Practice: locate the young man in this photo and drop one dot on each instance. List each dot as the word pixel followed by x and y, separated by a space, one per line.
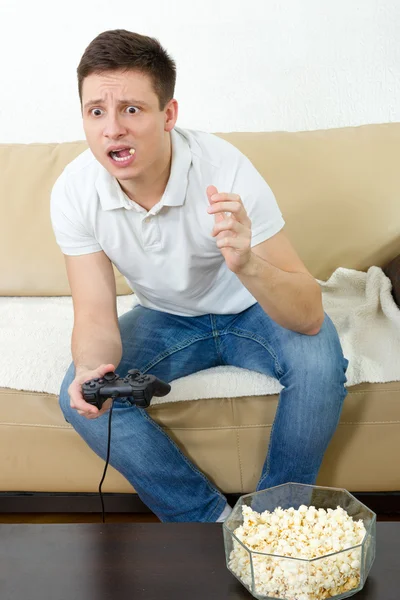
pixel 198 234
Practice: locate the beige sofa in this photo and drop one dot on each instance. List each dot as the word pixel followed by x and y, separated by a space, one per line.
pixel 339 191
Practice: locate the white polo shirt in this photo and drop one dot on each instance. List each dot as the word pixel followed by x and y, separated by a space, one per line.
pixel 167 254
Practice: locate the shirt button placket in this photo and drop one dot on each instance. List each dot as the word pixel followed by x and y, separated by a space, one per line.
pixel 149 231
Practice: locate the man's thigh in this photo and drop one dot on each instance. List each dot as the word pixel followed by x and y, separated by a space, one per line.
pixel 254 341
pixel 165 345
pixel 249 341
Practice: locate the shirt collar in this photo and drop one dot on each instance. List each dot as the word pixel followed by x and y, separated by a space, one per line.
pixel 112 196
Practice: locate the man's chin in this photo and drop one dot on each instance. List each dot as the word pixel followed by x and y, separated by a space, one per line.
pixel 122 173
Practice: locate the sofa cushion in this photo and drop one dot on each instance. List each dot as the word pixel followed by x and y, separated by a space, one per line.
pixel 36 335
pixel 226 437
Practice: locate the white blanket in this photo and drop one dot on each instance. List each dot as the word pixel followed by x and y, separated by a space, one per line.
pixel 35 341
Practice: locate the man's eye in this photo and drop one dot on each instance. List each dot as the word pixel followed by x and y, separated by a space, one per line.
pixel 96 112
pixel 132 110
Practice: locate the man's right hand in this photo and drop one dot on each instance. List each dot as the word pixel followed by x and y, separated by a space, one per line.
pixel 75 392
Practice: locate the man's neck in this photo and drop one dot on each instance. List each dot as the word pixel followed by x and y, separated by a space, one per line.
pixel 148 191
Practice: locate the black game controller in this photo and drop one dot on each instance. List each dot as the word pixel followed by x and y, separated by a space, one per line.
pixel 136 385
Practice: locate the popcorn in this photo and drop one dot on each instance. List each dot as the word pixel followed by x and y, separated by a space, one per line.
pixel 305 533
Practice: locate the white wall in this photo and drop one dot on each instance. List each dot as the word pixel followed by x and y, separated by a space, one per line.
pixel 243 65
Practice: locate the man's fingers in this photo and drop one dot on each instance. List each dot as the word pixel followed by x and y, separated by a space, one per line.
pixel 236 209
pixel 103 369
pixel 78 402
pixel 87 415
pixel 94 415
pixel 231 206
pixel 230 225
pixel 106 406
pixel 238 243
pixel 211 190
pixel 223 197
pixel 84 407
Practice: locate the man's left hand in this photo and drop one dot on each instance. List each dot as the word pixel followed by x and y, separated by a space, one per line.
pixel 233 232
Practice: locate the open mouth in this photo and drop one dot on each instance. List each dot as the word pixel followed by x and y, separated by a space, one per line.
pixel 122 156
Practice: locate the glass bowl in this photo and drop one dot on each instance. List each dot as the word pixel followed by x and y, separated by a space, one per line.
pixel 331 574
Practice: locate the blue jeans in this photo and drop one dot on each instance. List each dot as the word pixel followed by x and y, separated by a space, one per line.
pixel 311 370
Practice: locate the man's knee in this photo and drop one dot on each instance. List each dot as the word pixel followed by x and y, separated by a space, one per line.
pixel 64 399
pixel 318 357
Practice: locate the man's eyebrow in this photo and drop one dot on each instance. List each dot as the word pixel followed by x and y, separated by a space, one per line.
pixel 129 102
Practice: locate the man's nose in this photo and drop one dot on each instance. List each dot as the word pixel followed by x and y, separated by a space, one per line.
pixel 114 128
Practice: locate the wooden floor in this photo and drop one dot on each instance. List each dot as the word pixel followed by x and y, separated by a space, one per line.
pixel 109 518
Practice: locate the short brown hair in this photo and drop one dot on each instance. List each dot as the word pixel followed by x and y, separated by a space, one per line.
pixel 119 49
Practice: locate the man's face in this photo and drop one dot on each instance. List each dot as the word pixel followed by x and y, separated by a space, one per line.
pixel 120 110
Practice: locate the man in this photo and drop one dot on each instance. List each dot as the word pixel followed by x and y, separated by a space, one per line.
pixel 199 236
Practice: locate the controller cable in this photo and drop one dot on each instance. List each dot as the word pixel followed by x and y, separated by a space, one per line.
pixel 108 455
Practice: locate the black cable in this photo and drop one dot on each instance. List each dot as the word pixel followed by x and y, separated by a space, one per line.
pixel 107 458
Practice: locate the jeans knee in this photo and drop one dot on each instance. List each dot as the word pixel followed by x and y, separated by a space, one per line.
pixel 318 358
pixel 64 399
pixel 334 362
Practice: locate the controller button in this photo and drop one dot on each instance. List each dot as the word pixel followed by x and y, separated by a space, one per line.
pixel 109 376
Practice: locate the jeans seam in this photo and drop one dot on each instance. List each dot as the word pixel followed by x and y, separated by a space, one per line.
pixel 218 510
pixel 192 467
pixel 261 341
pixel 263 477
pixel 174 349
pixel 216 336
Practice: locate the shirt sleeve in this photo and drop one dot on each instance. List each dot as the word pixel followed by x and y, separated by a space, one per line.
pixel 259 202
pixel 72 235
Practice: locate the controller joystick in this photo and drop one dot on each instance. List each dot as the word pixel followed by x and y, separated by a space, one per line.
pixel 137 387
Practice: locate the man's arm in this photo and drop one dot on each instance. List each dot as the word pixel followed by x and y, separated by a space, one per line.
pixel 96 337
pixel 282 285
pixel 271 271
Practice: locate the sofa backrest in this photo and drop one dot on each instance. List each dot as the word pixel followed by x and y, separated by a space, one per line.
pixel 338 189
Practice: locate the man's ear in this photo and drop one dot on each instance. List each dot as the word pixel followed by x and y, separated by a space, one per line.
pixel 171 114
